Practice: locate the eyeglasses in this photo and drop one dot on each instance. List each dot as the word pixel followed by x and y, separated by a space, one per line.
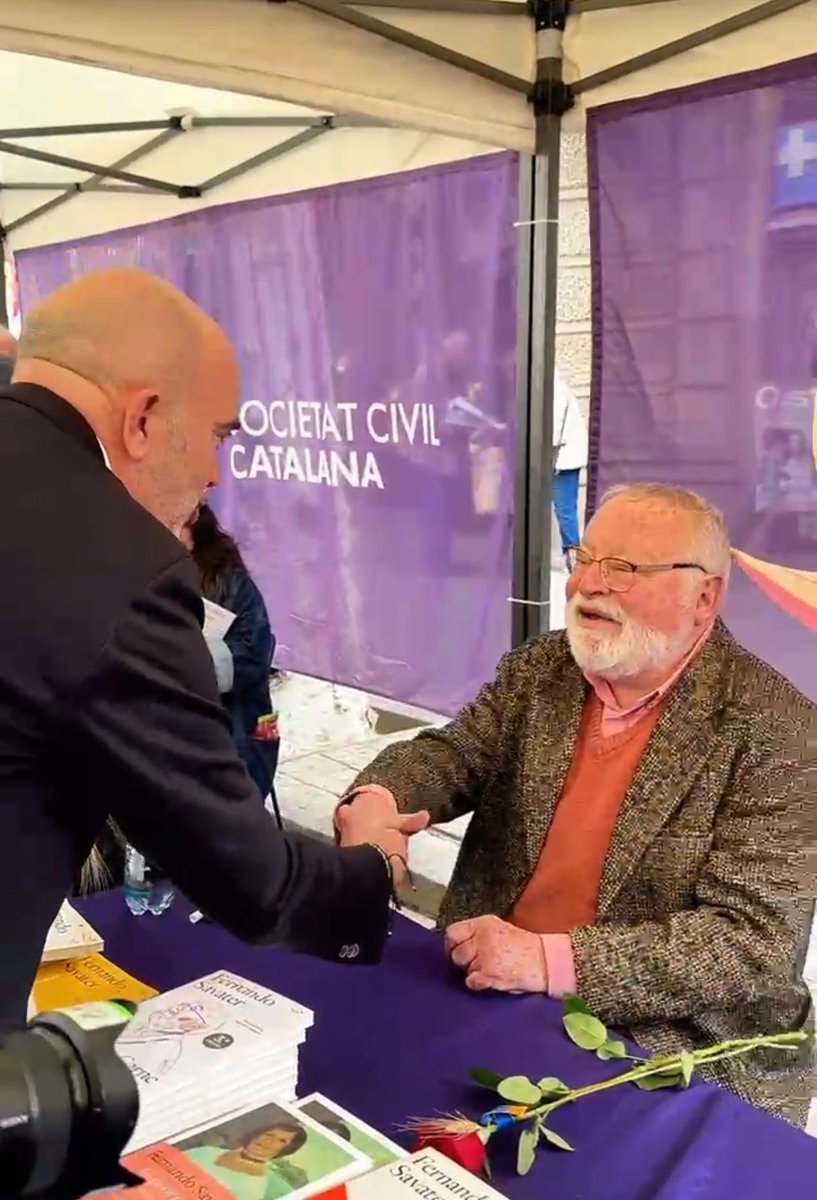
pixel 618 574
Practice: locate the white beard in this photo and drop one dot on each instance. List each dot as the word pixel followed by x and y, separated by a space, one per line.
pixel 622 651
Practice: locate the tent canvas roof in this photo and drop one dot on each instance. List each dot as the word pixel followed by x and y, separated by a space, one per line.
pixel 301 61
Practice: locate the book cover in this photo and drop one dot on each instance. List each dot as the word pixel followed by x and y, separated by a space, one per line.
pixel 269 1153
pixel 70 936
pixel 426 1175
pixel 79 980
pixel 344 1124
pixel 220 1022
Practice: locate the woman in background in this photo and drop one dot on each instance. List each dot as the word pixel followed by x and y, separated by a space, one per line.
pixel 243 658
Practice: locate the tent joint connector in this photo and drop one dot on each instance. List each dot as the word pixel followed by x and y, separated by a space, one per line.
pixel 549 14
pixel 551 97
pixel 189 192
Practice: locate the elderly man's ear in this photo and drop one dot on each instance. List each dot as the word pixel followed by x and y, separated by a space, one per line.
pixel 710 600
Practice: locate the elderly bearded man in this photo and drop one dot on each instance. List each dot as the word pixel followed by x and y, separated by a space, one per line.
pixel 643 798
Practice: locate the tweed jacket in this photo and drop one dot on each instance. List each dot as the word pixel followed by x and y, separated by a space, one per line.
pixel 708 888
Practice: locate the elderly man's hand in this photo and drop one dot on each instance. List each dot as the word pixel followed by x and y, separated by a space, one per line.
pixel 498 956
pixel 373 819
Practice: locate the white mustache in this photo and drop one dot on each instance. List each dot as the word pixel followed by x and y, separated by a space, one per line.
pixel 597 608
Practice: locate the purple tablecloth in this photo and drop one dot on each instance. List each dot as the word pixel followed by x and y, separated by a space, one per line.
pixel 397 1041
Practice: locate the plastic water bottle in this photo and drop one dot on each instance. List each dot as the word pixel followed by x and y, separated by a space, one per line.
pixel 147 888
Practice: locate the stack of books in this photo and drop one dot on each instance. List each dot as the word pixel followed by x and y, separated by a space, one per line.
pixel 209 1050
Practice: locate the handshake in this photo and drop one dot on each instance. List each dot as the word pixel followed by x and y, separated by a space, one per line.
pixel 371 817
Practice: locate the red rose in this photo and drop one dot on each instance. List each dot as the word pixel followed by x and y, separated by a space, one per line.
pixel 465 1149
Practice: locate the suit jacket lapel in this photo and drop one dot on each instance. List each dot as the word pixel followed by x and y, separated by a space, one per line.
pixel 553 731
pixel 677 751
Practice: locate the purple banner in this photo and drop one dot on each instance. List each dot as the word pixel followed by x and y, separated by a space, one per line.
pixel 370 486
pixel 704 228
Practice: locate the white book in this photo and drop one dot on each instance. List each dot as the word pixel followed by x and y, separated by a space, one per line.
pixel 70 936
pixel 220 1023
pixel 205 1048
pixel 189 1119
pixel 188 1125
pixel 427 1173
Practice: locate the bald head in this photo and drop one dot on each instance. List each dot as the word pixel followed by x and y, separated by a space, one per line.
pixel 121 328
pixel 154 376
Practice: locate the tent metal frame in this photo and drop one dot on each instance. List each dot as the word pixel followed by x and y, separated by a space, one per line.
pixel 551 97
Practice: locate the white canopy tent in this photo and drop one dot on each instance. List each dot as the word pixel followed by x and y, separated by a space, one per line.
pixel 458 67
pixel 228 99
pixel 154 148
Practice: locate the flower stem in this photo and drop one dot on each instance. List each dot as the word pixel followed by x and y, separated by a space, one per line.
pixel 668 1065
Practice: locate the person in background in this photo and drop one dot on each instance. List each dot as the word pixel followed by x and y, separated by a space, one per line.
pixel 243 658
pixel 569 457
pixel 8 354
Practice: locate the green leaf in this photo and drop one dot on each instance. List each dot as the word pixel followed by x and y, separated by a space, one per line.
pixel 687 1067
pixel 551 1088
pixel 518 1089
pixel 652 1083
pixel 526 1154
pixel 585 1030
pixel 555 1139
pixel 611 1050
pixel 488 1079
pixel 572 1004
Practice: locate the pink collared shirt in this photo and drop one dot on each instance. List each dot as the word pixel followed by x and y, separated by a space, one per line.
pixel 615 719
pixel 561 967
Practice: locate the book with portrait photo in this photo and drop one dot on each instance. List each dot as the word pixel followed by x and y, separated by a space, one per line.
pixel 271 1153
pixel 343 1124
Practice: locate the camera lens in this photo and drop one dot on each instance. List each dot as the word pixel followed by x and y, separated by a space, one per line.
pixel 41 1089
pixel 68 1104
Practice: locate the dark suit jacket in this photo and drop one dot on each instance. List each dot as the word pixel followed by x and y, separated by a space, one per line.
pixel 108 704
pixel 708 888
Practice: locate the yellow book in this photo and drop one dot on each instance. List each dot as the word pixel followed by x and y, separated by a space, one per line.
pixel 78 980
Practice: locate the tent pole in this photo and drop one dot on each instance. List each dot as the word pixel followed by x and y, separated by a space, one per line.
pixel 88 184
pixel 412 41
pixel 78 164
pixel 584 6
pixel 700 37
pixel 478 8
pixel 286 147
pixel 538 280
pixel 36 131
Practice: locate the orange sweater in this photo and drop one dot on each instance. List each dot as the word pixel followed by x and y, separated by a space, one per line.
pixel 563 891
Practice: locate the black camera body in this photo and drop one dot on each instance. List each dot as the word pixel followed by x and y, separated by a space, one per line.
pixel 68 1104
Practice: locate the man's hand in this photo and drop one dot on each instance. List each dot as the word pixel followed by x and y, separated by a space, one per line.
pixel 373 818
pixel 497 955
pixel 374 803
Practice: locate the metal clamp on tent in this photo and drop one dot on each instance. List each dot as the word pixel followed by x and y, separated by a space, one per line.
pixel 550 95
